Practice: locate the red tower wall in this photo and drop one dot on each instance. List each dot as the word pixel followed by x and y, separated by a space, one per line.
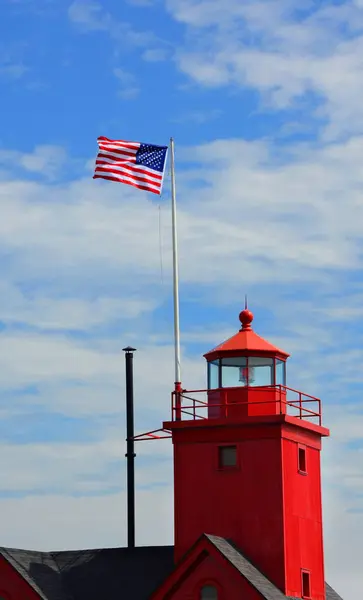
pixel 303 518
pixel 265 506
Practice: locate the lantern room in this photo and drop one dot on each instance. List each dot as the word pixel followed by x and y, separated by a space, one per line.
pixel 246 374
pixel 246 360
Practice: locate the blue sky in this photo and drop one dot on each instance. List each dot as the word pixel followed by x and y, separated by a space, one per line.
pixel 263 99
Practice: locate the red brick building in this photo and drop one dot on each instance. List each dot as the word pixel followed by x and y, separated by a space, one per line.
pixel 247 488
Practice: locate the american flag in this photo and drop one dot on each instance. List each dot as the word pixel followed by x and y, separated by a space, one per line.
pixel 134 163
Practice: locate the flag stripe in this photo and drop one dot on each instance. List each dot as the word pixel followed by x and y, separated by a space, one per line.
pixel 131 168
pixel 133 163
pixel 125 175
pixel 147 188
pixel 117 157
pixel 118 151
pixel 106 141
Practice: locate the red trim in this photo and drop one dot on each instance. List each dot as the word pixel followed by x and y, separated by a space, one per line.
pixel 270 419
pixel 186 565
pixel 190 561
pixel 216 354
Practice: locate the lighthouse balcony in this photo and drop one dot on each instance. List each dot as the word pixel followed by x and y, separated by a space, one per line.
pixel 234 403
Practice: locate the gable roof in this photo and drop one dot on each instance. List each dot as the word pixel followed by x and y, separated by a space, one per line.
pixel 39 570
pixel 121 573
pixel 124 573
pixel 264 586
pixel 233 555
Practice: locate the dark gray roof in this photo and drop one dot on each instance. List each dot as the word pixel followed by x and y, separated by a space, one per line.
pixel 39 570
pixel 263 585
pixel 122 573
pixel 331 594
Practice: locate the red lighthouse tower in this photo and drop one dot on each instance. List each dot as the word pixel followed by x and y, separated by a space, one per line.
pixel 247 479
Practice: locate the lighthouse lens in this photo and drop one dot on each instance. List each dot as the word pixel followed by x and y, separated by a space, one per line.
pixel 262 369
pixel 234 373
pixel 253 371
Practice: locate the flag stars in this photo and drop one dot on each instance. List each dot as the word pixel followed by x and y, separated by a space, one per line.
pixel 151 156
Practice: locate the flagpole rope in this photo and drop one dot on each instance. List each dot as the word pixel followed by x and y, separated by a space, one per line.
pixel 161 248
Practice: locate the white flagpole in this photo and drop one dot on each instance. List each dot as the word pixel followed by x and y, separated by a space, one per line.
pixel 175 273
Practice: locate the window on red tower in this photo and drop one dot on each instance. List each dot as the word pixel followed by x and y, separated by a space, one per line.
pixel 209 592
pixel 227 457
pixel 302 460
pixel 305 581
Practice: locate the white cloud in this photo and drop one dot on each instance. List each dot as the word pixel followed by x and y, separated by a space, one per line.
pixel 55 313
pixel 90 16
pixel 264 46
pixel 128 87
pixel 277 208
pixel 42 358
pixel 76 468
pixel 87 379
pixel 67 523
pixel 46 160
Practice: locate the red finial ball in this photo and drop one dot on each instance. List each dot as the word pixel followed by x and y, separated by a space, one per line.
pixel 246 318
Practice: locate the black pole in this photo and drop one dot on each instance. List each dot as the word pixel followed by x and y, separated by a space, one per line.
pixel 130 453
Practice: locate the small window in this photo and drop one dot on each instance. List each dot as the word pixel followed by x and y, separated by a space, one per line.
pixel 306 592
pixel 209 592
pixel 227 456
pixel 302 459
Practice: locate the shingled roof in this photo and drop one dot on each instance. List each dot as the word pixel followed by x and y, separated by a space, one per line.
pixel 121 573
pixel 264 586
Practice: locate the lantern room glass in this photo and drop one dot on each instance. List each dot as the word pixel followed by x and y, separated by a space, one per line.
pixel 233 371
pixel 242 371
pixel 213 375
pixel 280 372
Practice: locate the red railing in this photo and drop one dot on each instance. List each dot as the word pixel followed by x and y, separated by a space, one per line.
pixel 156 434
pixel 185 406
